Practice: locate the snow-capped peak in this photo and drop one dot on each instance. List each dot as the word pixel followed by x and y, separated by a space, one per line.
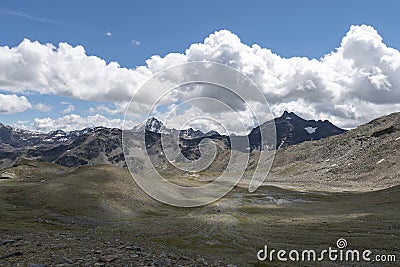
pixel 151 125
pixel 154 125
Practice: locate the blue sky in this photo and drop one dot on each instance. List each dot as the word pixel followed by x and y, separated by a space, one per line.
pixel 130 32
pixel 308 28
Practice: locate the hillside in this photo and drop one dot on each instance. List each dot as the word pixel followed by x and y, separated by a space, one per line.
pixel 97 215
pixel 101 145
pixel 292 129
pixel 366 157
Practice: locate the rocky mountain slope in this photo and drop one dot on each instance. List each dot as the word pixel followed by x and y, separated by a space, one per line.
pixel 367 156
pixel 362 159
pixel 156 126
pixel 100 145
pixel 369 153
pixel 292 129
pixel 90 146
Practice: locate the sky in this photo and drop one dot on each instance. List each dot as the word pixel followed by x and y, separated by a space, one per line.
pixel 75 64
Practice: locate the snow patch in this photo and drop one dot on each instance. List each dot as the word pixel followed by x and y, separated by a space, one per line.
pixel 281 144
pixel 310 129
pixel 380 161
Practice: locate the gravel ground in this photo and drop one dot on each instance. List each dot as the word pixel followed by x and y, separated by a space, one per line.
pixel 93 247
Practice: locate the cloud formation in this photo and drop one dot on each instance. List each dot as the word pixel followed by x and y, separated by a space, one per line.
pixel 13 103
pixel 66 71
pixel 76 122
pixel 43 107
pixel 69 109
pixel 358 81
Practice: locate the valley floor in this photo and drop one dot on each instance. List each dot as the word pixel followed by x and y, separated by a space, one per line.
pixel 70 219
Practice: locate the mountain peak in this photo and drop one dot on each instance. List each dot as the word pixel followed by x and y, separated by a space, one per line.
pixel 154 125
pixel 292 129
pixel 151 124
pixel 289 116
pixel 153 119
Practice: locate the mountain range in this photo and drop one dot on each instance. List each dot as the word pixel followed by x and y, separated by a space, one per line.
pixel 101 145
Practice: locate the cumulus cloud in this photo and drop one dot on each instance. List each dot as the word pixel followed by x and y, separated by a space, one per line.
pixel 67 71
pixel 74 121
pixel 43 107
pixel 106 110
pixel 13 103
pixel 356 82
pixel 69 109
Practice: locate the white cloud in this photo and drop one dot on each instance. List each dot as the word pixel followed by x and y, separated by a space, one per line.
pixel 43 107
pixel 66 71
pixel 13 103
pixel 356 82
pixel 74 121
pixel 108 34
pixel 107 110
pixel 135 42
pixel 69 109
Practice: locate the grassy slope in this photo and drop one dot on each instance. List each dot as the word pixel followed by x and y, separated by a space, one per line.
pixel 235 227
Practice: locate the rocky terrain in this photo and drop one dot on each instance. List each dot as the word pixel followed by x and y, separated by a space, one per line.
pixel 363 158
pixel 86 147
pixel 92 247
pixel 100 145
pixel 97 216
pixel 292 129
